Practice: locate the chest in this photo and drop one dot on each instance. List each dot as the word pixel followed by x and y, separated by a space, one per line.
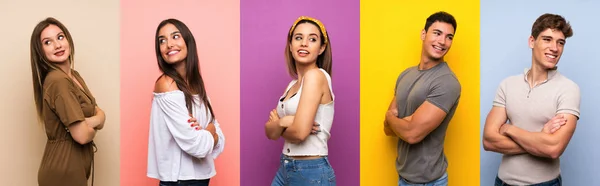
pixel 531 108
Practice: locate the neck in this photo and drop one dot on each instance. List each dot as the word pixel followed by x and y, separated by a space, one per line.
pixel 536 74
pixel 180 68
pixel 302 69
pixel 427 62
pixel 65 67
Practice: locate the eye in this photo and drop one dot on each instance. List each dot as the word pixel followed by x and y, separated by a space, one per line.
pixel 437 33
pixel 561 43
pixel 451 38
pixel 313 39
pixel 546 39
pixel 61 37
pixel 176 36
pixel 47 42
pixel 298 38
pixel 161 41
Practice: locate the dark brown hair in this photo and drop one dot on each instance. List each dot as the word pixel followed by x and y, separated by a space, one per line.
pixel 551 21
pixel 194 84
pixel 324 60
pixel 40 66
pixel 441 16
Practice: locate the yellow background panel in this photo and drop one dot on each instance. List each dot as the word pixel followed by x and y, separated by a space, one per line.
pixel 390 43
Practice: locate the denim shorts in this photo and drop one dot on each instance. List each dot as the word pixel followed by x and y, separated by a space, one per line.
pixel 442 181
pixel 554 182
pixel 304 172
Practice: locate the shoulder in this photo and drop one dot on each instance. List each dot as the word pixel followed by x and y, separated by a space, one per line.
pixel 315 75
pixel 165 83
pixel 57 78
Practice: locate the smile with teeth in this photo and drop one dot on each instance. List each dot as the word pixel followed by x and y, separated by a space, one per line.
pixel 551 56
pixel 438 48
pixel 303 52
pixel 173 52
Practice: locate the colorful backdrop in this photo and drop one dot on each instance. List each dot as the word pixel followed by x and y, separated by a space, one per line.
pixel 390 43
pixel 505 29
pixel 264 77
pixel 215 25
pixel 22 138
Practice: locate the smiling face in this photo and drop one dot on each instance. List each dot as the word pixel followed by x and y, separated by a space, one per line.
pixel 305 44
pixel 172 46
pixel 55 44
pixel 437 40
pixel 547 48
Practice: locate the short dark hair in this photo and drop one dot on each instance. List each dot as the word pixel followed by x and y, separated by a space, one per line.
pixel 551 21
pixel 440 16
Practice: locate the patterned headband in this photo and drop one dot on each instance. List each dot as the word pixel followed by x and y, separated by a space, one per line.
pixel 301 18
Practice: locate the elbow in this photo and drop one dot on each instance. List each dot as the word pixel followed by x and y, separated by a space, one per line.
pixel 297 138
pixel 272 137
pixel 487 145
pixel 414 139
pixel 554 152
pixel 82 139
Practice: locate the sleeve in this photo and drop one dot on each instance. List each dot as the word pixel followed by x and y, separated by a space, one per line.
pixel 445 92
pixel 398 80
pixel 197 143
pixel 218 149
pixel 500 98
pixel 569 100
pixel 64 102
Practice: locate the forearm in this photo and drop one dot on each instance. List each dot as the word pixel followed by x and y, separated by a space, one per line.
pixel 97 121
pixel 536 143
pixel 501 144
pixel 273 130
pixel 402 128
pixel 294 133
pixel 387 130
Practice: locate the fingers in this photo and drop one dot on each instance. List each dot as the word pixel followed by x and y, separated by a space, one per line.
pixel 194 124
pixel 316 128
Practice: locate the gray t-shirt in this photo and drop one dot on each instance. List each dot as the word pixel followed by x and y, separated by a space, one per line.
pixel 529 109
pixel 425 161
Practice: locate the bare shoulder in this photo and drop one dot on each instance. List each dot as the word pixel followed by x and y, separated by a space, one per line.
pixel 165 84
pixel 315 76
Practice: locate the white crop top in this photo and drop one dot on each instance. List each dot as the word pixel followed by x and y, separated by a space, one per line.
pixel 314 144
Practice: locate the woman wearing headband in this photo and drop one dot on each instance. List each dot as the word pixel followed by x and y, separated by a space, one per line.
pixel 304 113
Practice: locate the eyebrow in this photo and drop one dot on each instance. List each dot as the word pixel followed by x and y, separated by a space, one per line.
pixel 440 31
pixel 173 33
pixel 308 34
pixel 550 37
pixel 60 33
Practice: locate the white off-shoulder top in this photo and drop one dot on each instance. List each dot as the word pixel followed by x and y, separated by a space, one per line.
pixel 176 151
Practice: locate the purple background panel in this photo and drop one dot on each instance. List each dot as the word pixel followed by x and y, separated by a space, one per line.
pixel 264 77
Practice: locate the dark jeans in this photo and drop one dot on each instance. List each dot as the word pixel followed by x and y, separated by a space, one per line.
pixel 185 183
pixel 555 182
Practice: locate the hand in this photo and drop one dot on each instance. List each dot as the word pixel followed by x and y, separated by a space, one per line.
pixel 391 113
pixel 273 116
pixel 315 128
pixel 554 124
pixel 194 123
pixel 213 130
pixel 504 128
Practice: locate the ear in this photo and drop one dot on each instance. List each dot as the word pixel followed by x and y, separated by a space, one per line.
pixel 423 33
pixel 323 47
pixel 531 41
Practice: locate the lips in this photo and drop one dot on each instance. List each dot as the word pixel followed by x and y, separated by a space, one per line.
pixel 438 48
pixel 303 52
pixel 59 53
pixel 172 52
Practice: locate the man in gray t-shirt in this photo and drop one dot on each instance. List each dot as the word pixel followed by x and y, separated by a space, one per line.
pixel 534 114
pixel 425 100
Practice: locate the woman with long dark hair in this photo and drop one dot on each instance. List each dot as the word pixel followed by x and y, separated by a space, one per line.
pixel 185 137
pixel 64 105
pixel 304 113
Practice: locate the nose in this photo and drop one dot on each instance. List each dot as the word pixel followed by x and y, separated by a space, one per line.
pixel 304 42
pixel 442 41
pixel 169 43
pixel 554 47
pixel 57 45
